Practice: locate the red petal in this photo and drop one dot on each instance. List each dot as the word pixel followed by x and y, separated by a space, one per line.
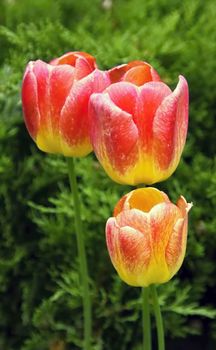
pixel 75 123
pixel 82 68
pixel 30 101
pixel 41 71
pixel 114 134
pixel 135 249
pixel 150 98
pixel 170 125
pixel 124 95
pixel 60 83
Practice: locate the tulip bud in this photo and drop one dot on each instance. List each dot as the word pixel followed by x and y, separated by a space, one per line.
pixel 139 125
pixel 55 100
pixel 147 236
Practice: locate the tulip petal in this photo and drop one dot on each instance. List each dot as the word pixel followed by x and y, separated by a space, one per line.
pixel 125 246
pixel 71 57
pixel 54 84
pixel 176 246
pixel 124 95
pixel 117 73
pixel 74 121
pixel 30 101
pixel 170 126
pixel 114 134
pixel 135 253
pixel 134 218
pixel 151 96
pixel 60 82
pixel 162 220
pixel 139 75
pixel 112 232
pixel 41 72
pixel 137 72
pixel 83 68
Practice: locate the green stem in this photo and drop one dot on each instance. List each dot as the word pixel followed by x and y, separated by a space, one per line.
pixel 159 320
pixel 146 319
pixel 82 257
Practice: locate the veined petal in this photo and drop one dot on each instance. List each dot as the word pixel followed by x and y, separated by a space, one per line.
pixel 170 126
pixel 112 232
pixel 176 246
pixel 150 98
pixel 163 218
pixel 134 218
pixel 114 134
pixel 61 81
pixel 74 120
pixel 124 95
pixel 82 68
pixel 135 252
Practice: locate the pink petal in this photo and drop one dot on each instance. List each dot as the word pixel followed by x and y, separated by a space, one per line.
pixel 124 95
pixel 170 125
pixel 114 135
pixel 150 97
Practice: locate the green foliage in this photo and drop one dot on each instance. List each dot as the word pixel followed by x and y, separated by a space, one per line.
pixel 39 284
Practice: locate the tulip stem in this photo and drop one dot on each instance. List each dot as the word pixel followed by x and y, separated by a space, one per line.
pixel 146 319
pixel 83 269
pixel 159 320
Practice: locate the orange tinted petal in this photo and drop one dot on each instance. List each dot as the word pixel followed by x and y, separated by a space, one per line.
pixel 134 248
pixel 138 75
pixel 71 57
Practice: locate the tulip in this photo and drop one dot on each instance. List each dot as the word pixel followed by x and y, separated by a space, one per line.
pixel 55 100
pixel 139 125
pixel 147 236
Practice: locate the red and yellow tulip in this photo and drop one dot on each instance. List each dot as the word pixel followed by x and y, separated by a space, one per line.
pixel 139 125
pixel 55 100
pixel 147 236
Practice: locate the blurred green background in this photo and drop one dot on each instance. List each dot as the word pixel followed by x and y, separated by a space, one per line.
pixel 40 303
